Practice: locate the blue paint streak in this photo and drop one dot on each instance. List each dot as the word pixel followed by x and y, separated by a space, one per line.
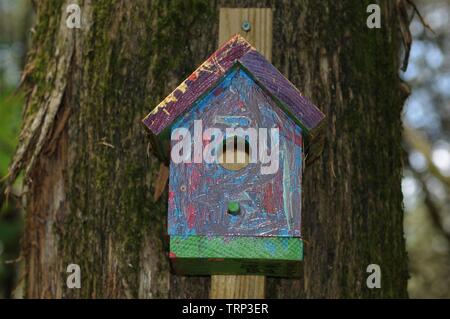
pixel 270 247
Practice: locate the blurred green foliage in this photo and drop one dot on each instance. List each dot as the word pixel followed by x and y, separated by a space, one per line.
pixel 10 220
pixel 14 26
pixel 10 113
pixel 15 21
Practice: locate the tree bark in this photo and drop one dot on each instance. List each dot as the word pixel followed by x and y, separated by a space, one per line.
pixel 90 166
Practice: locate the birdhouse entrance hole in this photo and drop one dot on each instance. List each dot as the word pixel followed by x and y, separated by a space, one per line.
pixel 234 154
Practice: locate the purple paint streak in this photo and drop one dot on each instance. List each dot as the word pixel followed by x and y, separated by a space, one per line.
pixel 272 80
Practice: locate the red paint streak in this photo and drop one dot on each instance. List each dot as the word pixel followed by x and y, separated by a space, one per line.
pixel 195 180
pixel 193 76
pixel 298 139
pixel 171 199
pixel 206 142
pixel 278 191
pixel 191 215
pixel 218 91
pixel 268 200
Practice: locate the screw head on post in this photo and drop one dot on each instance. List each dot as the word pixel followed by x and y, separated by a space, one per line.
pixel 246 26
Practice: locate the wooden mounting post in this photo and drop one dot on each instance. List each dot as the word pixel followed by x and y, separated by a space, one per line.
pixel 232 21
pixel 255 25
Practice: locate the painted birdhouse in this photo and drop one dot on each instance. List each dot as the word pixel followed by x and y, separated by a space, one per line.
pixel 240 134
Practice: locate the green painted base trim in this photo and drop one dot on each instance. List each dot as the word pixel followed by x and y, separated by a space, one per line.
pixel 220 255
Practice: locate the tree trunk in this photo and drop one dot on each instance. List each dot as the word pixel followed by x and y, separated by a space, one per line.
pixel 91 167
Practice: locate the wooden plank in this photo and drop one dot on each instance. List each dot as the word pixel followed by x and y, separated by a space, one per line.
pixel 249 286
pixel 237 247
pixel 237 287
pixel 200 81
pixel 220 255
pixel 227 267
pixel 260 33
pixel 160 181
pixel 290 99
pixel 240 255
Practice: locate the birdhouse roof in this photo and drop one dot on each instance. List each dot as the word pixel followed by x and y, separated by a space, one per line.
pixel 237 51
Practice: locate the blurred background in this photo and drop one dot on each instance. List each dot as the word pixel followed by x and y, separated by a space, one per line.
pixel 16 17
pixel 426 181
pixel 426 117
